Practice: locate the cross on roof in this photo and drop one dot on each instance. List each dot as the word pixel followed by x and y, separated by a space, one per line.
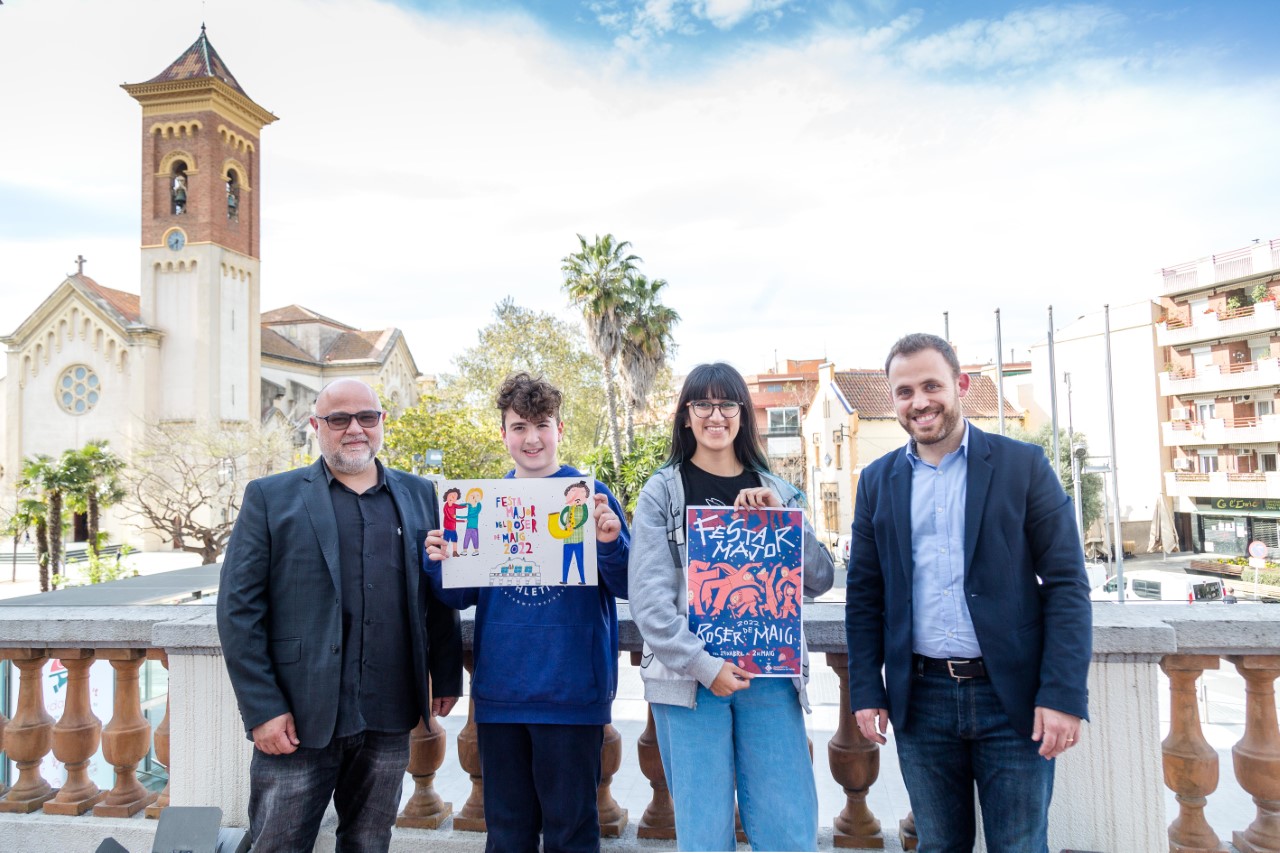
pixel 80 259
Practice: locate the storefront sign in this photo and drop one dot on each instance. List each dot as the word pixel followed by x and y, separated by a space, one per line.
pixel 1239 504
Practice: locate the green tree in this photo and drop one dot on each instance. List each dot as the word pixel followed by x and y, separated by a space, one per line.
pixel 95 483
pixel 646 456
pixel 595 278
pixel 48 480
pixel 541 343
pixel 647 340
pixel 29 514
pixel 468 441
pixel 1090 484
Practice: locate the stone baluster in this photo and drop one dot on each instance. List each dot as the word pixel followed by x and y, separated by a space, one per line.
pixel 1257 755
pixel 76 737
pixel 425 809
pixel 161 741
pixel 29 735
pixel 855 764
pixel 126 738
pixel 907 832
pixel 1190 763
pixel 4 721
pixel 471 818
pixel 659 818
pixel 613 817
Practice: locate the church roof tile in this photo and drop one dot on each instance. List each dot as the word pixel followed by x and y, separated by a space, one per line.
pixel 196 62
pixel 868 392
pixel 291 314
pixel 127 305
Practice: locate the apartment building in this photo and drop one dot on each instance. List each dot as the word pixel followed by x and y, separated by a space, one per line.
pixel 1220 333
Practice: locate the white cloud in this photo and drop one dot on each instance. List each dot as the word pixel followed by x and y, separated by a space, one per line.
pixel 1023 37
pixel 811 199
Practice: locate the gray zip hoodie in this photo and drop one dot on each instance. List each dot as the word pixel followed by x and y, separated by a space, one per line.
pixel 675 662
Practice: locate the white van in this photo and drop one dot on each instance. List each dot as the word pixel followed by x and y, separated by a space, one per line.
pixel 1153 585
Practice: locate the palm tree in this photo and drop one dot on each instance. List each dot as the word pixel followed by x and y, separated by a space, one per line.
pixel 29 514
pixel 595 277
pixel 45 478
pixel 646 342
pixel 94 484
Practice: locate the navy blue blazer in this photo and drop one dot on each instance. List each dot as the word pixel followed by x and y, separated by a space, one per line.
pixel 1024 583
pixel 280 602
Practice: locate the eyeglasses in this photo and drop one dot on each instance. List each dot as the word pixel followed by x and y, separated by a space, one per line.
pixel 342 420
pixel 704 408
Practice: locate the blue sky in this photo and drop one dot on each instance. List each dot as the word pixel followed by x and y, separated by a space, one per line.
pixel 813 179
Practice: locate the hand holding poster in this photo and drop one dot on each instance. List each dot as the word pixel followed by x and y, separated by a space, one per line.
pixel 745 575
pixel 518 532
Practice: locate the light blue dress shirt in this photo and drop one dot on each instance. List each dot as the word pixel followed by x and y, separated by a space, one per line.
pixel 940 623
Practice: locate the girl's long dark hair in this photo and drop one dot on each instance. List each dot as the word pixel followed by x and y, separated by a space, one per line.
pixel 717 381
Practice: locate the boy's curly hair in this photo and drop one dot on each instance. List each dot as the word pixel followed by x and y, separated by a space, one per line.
pixel 532 398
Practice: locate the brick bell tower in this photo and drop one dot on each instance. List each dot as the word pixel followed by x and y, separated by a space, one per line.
pixel 200 230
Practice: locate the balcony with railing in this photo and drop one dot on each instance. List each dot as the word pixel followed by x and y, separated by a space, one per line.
pixel 1225 484
pixel 1222 268
pixel 1183 329
pixel 1220 378
pixel 1221 431
pixel 1108 793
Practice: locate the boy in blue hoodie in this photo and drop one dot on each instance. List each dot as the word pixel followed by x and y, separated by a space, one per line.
pixel 546 658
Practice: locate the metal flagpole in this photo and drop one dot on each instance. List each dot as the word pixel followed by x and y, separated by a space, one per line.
pixel 1115 463
pixel 999 372
pixel 1053 399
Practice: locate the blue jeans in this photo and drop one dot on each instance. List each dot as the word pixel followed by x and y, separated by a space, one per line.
pixel 958 736
pixel 541 778
pixel 572 551
pixel 288 794
pixel 752 741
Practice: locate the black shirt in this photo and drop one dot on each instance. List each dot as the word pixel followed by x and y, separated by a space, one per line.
pixel 705 489
pixel 377 684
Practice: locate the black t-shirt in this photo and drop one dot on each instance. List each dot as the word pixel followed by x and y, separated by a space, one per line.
pixel 704 489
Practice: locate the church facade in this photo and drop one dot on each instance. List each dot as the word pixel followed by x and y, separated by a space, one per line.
pixel 193 344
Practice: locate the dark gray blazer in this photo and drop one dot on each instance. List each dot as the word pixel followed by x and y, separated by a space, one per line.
pixel 1024 583
pixel 280 602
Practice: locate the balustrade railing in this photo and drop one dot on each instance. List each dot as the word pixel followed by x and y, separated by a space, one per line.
pixel 209 760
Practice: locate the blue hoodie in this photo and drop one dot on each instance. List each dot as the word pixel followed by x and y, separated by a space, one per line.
pixel 547 654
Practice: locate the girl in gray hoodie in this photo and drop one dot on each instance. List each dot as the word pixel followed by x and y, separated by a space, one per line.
pixel 724 737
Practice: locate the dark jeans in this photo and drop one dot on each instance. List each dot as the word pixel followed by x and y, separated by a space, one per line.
pixel 288 794
pixel 957 736
pixel 540 777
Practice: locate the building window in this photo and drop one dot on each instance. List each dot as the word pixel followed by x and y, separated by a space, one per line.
pixel 178 187
pixel 1265 407
pixel 784 421
pixel 233 196
pixel 1267 461
pixel 1208 462
pixel 1206 411
pixel 830 506
pixel 78 389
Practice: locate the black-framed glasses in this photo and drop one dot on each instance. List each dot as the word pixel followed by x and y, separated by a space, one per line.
pixel 342 420
pixel 704 408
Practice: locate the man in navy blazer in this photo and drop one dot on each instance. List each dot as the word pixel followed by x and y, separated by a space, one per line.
pixel 966 585
pixel 329 632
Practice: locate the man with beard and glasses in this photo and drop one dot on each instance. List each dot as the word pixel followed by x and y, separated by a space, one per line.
pixel 967 613
pixel 330 633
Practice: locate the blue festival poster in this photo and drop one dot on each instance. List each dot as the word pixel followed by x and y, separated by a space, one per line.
pixel 745 571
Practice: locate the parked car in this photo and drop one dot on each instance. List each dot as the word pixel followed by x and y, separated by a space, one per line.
pixel 842 549
pixel 1154 585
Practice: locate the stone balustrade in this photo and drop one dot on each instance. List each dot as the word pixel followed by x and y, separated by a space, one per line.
pixel 1109 793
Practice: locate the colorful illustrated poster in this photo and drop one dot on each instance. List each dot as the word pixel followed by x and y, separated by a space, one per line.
pixel 746 583
pixel 519 532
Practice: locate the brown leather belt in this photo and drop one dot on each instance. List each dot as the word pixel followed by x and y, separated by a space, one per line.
pixel 960 670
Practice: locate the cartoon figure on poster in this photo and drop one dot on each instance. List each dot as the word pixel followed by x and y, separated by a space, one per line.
pixel 452 500
pixel 515 531
pixel 471 537
pixel 569 525
pixel 745 576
